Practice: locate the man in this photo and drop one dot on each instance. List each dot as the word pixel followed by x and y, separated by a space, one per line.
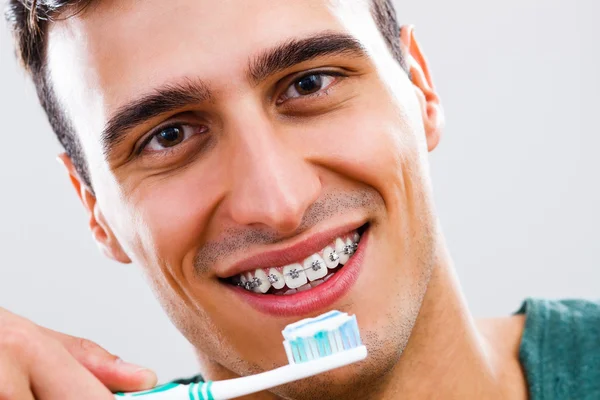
pixel 222 146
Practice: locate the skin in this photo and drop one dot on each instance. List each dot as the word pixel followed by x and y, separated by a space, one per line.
pixel 36 362
pixel 308 163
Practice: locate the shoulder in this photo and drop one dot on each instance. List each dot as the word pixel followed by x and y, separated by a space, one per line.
pixel 502 338
pixel 560 347
pixel 565 310
pixel 560 326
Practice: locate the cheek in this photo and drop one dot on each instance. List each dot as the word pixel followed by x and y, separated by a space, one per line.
pixel 380 147
pixel 375 143
pixel 171 214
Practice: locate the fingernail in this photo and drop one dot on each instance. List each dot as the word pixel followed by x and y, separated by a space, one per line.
pixel 147 376
pixel 130 368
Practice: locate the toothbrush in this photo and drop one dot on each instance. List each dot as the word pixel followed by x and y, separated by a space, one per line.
pixel 312 345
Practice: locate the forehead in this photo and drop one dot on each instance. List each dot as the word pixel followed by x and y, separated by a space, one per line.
pixel 117 50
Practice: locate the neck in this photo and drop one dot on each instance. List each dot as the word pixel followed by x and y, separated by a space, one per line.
pixel 445 347
pixel 448 354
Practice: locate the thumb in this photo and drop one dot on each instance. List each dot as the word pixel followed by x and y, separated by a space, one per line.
pixel 109 369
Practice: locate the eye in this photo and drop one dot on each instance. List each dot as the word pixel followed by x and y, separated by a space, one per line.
pixel 308 85
pixel 171 136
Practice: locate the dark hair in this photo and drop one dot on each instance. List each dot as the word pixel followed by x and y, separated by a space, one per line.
pixel 29 20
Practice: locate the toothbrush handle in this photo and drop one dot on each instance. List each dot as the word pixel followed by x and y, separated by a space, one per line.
pixel 169 391
pixel 232 388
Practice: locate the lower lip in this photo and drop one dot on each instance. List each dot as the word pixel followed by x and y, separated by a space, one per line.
pixel 312 300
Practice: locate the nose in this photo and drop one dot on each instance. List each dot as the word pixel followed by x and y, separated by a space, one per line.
pixel 272 184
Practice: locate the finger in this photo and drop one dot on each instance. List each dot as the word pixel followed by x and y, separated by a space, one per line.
pixel 55 375
pixel 14 380
pixel 109 369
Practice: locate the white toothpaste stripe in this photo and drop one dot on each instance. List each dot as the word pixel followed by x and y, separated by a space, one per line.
pixel 332 343
pixel 338 340
pixel 314 349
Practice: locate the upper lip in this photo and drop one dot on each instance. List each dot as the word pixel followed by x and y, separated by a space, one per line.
pixel 288 254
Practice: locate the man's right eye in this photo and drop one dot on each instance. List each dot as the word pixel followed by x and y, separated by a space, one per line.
pixel 171 136
pixel 310 85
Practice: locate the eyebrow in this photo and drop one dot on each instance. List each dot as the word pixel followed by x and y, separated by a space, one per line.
pixel 160 101
pixel 296 51
pixel 172 97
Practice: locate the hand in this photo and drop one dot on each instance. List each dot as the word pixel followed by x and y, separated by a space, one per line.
pixel 38 363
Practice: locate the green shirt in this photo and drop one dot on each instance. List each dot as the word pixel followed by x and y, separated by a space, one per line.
pixel 560 349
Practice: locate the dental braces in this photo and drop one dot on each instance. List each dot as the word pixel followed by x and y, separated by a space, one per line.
pixel 348 250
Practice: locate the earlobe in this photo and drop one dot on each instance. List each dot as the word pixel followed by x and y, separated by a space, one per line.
pixel 431 107
pixel 100 229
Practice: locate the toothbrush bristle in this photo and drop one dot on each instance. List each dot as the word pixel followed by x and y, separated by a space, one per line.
pixel 314 338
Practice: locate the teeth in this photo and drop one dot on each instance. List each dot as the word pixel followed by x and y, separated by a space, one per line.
pixel 277 280
pixel 340 246
pixel 304 287
pixel 350 246
pixel 313 271
pixel 317 283
pixel 331 258
pixel 314 267
pixel 263 284
pixel 294 276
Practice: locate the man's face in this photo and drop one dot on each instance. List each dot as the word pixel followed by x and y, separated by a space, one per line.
pixel 235 136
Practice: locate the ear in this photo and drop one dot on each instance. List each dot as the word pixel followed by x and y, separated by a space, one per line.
pixel 104 237
pixel 431 107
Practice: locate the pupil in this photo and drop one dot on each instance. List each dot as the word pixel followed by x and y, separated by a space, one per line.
pixel 309 84
pixel 170 136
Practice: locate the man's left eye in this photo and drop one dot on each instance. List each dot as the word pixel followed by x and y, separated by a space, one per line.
pixel 308 85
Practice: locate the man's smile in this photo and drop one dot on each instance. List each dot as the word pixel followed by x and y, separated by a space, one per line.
pixel 300 276
pixel 313 280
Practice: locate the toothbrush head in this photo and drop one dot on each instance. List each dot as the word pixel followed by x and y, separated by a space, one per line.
pixel 322 336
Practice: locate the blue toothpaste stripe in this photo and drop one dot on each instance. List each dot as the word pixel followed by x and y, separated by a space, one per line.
pixel 303 350
pixel 295 352
pixel 320 344
pixel 324 338
pixel 345 338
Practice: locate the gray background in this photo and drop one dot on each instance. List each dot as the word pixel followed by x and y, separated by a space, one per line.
pixel 516 179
